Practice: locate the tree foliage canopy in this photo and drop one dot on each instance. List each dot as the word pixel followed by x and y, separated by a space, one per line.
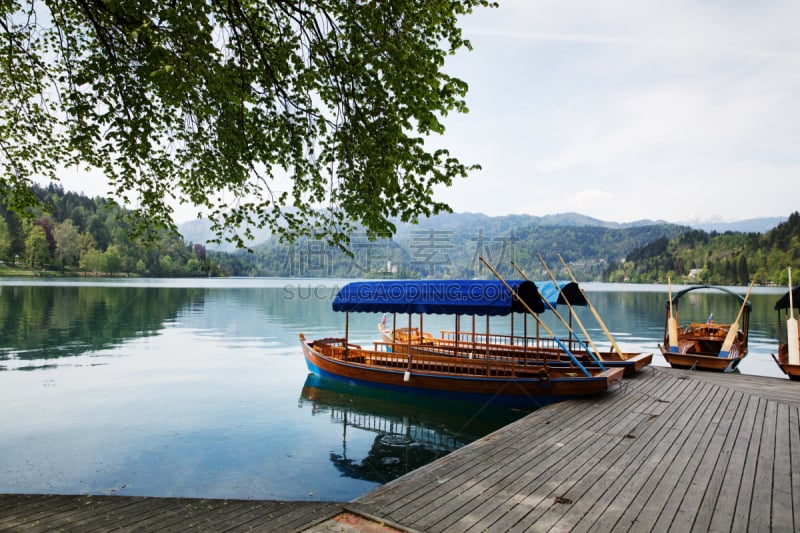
pixel 304 116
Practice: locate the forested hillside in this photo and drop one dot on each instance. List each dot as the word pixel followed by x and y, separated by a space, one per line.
pixel 77 234
pixel 715 258
pixel 81 235
pixel 454 250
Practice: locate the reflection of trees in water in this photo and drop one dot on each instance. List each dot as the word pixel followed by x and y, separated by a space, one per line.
pixel 411 431
pixel 43 322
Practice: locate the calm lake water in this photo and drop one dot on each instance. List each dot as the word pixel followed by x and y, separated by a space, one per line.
pixel 198 388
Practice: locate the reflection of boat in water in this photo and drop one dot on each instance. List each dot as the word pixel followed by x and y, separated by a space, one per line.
pixel 483 379
pixel 525 348
pixel 788 358
pixel 408 433
pixel 705 345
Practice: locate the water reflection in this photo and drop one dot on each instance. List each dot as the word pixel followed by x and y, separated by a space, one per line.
pixel 408 431
pixel 40 322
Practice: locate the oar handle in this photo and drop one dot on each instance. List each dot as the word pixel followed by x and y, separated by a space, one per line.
pixel 669 284
pixel 744 302
pixel 733 330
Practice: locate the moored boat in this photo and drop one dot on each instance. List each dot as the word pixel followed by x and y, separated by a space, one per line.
pixel 524 349
pixel 706 345
pixel 483 379
pixel 788 358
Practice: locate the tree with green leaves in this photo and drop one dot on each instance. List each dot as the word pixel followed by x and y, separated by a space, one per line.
pixel 66 236
pixel 112 260
pixel 5 241
pixel 36 247
pixel 308 117
pixel 91 261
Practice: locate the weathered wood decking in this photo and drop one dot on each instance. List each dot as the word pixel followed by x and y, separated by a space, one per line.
pixel 669 450
pixel 132 513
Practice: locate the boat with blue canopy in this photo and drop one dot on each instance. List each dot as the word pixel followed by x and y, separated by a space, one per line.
pixel 482 377
pixel 526 346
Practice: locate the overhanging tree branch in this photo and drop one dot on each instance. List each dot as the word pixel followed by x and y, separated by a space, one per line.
pixel 211 101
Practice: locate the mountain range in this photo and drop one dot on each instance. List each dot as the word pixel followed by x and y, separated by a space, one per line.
pixel 199 231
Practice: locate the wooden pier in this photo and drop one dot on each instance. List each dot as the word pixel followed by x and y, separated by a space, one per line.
pixel 668 450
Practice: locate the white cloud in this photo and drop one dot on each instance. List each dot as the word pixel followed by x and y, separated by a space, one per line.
pixel 667 108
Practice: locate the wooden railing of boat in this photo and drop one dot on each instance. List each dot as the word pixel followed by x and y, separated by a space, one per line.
pixel 517 343
pixel 387 355
pixel 504 345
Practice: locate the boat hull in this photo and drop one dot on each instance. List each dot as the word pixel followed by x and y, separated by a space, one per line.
pixel 521 392
pixel 700 362
pixel 791 371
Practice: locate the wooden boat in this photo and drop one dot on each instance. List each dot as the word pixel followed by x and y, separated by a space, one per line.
pixel 483 379
pixel 706 345
pixel 524 349
pixel 787 359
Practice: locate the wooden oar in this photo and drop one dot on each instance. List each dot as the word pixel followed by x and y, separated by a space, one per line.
pixel 593 351
pixel 538 320
pixel 569 305
pixel 672 323
pixel 791 329
pixel 734 328
pixel 594 312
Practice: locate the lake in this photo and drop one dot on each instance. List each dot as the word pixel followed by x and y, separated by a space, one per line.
pixel 198 388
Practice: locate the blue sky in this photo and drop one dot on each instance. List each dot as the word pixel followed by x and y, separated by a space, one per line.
pixel 625 110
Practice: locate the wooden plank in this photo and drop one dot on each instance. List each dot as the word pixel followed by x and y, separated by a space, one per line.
pixel 761 500
pixel 631 485
pixel 178 514
pixel 707 506
pixel 782 514
pixel 794 461
pixel 447 478
pixel 750 449
pixel 726 503
pixel 522 505
pixel 481 488
pixel 58 510
pixel 768 388
pixel 507 494
pixel 537 465
pixel 529 503
pixel 18 508
pixel 142 513
pixel 573 504
pixel 453 492
pixel 545 498
pixel 114 513
pixel 698 465
pixel 88 512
